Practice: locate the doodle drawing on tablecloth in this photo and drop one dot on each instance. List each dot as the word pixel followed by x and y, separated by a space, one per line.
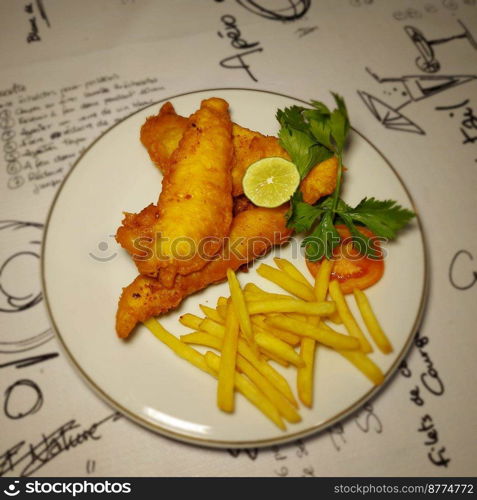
pixel 24 323
pixel 407 89
pixel 283 10
pixel 427 60
pixel 468 120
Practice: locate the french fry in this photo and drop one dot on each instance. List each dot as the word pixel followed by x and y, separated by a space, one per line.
pixel 347 317
pixel 204 338
pixel 253 293
pixel 288 337
pixel 240 307
pixel 365 365
pixel 313 320
pixel 273 357
pixel 191 321
pixel 321 287
pixel 211 313
pixel 322 279
pixel 290 306
pixel 254 296
pixel 280 402
pixel 210 364
pixel 222 301
pixel 305 373
pixel 284 406
pixel 335 318
pixel 284 281
pixel 257 327
pixel 276 378
pixel 297 316
pixel 307 345
pixel 362 362
pixel 210 326
pixel 183 350
pixel 278 347
pixel 292 271
pixel 252 287
pixel 371 322
pixel 325 336
pixel 222 310
pixel 272 324
pixel 225 388
pixel 250 391
pixel 259 322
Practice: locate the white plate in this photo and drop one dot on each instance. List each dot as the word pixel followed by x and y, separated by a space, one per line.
pixel 84 270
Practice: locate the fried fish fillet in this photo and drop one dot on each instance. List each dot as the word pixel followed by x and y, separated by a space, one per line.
pixel 321 181
pixel 254 232
pixel 194 211
pixel 242 203
pixel 161 133
pixel 249 147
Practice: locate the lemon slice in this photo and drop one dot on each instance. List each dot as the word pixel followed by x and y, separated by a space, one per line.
pixel 270 182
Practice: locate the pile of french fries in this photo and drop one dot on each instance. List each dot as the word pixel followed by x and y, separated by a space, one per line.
pixel 253 327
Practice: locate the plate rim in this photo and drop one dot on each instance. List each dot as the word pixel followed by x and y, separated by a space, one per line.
pixel 215 443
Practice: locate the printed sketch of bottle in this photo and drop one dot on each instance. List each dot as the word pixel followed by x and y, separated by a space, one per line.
pixel 427 61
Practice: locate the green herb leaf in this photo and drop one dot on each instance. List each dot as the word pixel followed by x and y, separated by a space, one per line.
pixel 321 107
pixel 300 148
pixel 296 138
pixel 292 117
pixel 310 136
pixel 323 239
pixel 362 243
pixel 384 218
pixel 342 108
pixel 319 125
pixel 338 130
pixel 301 215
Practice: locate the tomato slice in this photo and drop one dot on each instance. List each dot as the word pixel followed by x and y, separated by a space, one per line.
pixel 350 268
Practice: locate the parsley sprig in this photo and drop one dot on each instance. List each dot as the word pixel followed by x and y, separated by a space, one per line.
pixel 310 136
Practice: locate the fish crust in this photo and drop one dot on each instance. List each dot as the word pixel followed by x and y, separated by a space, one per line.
pixel 253 234
pixel 249 147
pixel 194 211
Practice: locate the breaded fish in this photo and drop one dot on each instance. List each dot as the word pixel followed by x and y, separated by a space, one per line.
pixel 242 203
pixel 321 181
pixel 162 133
pixel 253 233
pixel 249 146
pixel 194 211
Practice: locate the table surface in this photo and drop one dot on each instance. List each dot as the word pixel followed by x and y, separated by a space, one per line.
pixel 72 69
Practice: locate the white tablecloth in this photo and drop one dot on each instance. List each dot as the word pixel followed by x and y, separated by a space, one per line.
pixel 58 57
